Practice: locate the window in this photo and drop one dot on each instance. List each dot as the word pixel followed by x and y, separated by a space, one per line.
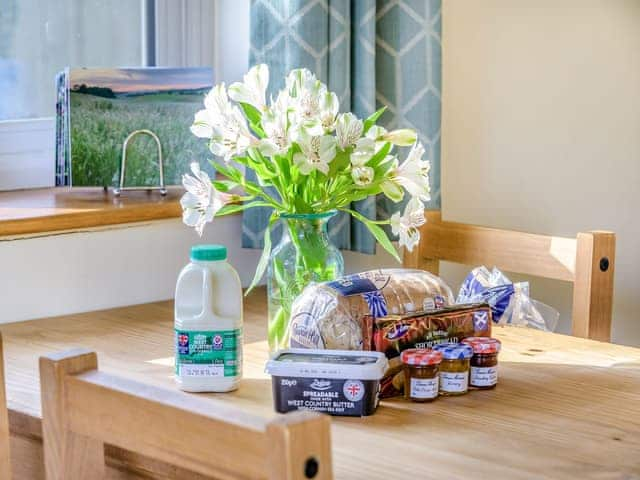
pixel 39 38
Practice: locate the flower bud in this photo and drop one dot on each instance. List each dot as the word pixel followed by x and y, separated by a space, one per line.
pixel 403 137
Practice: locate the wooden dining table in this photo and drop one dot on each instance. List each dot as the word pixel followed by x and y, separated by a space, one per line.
pixel 564 407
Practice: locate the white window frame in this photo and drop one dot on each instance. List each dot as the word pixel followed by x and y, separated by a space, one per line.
pixel 183 33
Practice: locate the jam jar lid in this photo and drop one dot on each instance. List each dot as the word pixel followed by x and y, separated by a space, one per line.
pixel 483 344
pixel 454 351
pixel 419 356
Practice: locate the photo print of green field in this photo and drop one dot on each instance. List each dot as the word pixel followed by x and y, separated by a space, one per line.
pixel 106 105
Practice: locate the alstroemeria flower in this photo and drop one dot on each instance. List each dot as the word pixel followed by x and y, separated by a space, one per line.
pixel 308 101
pixel 362 176
pixel 222 123
pixel 407 226
pixel 201 201
pixel 317 153
pixel 413 174
pixel 253 89
pixel 348 129
pixel 329 106
pixel 376 132
pixel 365 149
pixel 276 126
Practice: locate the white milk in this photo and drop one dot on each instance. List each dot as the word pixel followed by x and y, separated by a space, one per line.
pixel 208 323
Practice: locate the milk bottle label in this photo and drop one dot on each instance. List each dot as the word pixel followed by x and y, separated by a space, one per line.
pixel 207 353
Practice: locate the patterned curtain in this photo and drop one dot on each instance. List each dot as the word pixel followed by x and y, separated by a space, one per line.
pixel 371 53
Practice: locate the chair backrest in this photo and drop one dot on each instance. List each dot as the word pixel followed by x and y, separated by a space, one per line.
pixel 84 408
pixel 5 459
pixel 587 261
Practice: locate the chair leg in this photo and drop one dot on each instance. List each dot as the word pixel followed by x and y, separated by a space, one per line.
pixel 593 287
pixel 67 455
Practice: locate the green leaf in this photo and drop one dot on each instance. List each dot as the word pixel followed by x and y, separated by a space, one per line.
pixel 229 172
pixel 373 118
pixel 239 207
pixel 379 156
pixel 377 232
pixel 255 118
pixel 339 162
pixel 266 251
pixel 224 185
pixel 251 112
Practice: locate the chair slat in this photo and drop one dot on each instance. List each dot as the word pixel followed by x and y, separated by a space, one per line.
pixel 540 255
pixel 587 261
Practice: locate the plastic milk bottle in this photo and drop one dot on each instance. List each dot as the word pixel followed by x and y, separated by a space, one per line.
pixel 208 323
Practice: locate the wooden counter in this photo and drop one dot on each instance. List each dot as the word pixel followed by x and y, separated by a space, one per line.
pixel 564 407
pixel 25 212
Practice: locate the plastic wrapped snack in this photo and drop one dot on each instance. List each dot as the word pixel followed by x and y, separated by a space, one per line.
pixel 339 315
pixel 510 302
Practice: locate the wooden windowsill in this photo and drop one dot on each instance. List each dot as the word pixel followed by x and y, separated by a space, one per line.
pixel 27 212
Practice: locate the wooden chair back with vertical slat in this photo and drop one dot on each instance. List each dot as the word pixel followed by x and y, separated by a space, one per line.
pixel 84 408
pixel 5 459
pixel 587 261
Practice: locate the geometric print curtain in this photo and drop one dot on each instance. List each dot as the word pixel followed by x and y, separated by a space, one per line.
pixel 371 53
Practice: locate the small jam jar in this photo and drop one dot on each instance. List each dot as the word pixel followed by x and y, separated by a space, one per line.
pixel 454 369
pixel 420 374
pixel 484 363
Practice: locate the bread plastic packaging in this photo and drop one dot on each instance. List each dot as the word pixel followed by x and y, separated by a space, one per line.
pixel 339 315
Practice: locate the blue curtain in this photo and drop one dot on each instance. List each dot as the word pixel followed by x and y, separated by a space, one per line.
pixel 371 54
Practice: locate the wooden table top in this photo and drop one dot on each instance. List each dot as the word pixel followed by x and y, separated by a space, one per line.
pixel 564 407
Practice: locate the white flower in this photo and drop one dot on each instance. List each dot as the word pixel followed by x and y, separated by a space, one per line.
pixel 276 126
pixel 365 149
pixel 253 89
pixel 413 174
pixel 309 102
pixel 362 175
pixel 298 80
pixel 376 132
pixel 202 124
pixel 201 201
pixel 224 124
pixel 407 226
pixel 329 106
pixel 317 153
pixel 348 129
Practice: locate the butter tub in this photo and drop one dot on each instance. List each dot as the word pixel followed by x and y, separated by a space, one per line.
pixel 337 382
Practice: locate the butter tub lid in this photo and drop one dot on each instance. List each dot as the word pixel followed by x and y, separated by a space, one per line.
pixel 312 363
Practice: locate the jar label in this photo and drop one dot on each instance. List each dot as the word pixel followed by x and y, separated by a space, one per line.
pixel 454 382
pixel 424 387
pixel 484 376
pixel 208 353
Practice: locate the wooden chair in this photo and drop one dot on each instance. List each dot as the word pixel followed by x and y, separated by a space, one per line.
pixel 587 261
pixel 84 408
pixel 5 459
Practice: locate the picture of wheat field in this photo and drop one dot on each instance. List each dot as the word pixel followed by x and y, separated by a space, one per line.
pixel 106 105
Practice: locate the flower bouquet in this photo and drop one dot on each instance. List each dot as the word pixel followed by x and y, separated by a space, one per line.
pixel 310 161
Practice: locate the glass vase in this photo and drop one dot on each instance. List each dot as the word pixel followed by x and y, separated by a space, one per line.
pixel 305 254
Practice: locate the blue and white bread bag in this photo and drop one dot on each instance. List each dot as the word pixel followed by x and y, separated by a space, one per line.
pixel 338 315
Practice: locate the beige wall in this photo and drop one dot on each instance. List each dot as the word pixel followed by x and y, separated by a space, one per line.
pixel 541 128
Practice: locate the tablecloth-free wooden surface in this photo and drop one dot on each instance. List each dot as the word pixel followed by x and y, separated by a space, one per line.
pixel 564 408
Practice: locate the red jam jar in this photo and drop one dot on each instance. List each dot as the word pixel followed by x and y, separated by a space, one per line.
pixel 484 363
pixel 421 379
